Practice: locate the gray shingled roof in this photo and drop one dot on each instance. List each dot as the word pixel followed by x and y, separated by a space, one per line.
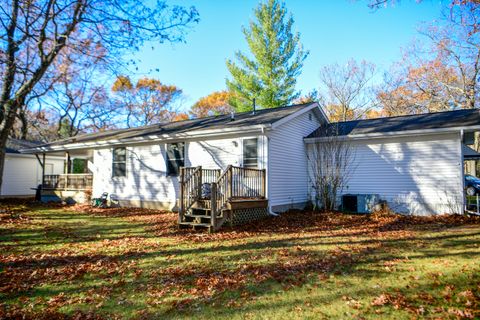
pixel 438 120
pixel 261 117
pixel 14 145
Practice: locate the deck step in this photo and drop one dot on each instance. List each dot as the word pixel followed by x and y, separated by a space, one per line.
pixel 193 215
pixel 195 224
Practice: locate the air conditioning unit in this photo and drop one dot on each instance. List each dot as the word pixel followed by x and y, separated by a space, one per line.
pixel 359 203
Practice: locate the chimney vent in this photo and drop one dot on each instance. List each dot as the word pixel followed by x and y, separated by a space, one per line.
pixel 232 115
pixel 254 107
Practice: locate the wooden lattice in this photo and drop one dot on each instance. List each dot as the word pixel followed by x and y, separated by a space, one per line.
pixel 242 216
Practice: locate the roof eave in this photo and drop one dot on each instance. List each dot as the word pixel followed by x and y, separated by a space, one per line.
pixel 142 140
pixel 380 135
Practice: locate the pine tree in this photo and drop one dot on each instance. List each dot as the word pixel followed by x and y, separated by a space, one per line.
pixel 276 59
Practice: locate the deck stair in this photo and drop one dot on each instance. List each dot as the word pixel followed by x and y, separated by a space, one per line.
pixel 209 196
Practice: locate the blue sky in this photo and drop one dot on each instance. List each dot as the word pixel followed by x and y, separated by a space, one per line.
pixel 332 30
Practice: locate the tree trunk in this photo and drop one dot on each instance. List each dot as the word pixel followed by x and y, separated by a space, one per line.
pixel 24 121
pixel 4 133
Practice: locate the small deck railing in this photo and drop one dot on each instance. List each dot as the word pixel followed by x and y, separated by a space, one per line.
pixel 247 183
pixel 235 183
pixel 71 181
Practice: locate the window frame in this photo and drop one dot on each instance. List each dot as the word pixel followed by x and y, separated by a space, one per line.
pixel 179 162
pixel 257 156
pixel 116 162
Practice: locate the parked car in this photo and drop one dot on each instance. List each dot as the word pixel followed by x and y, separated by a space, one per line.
pixel 472 185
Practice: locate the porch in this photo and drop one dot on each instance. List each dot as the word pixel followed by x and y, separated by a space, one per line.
pixel 72 186
pixel 210 198
pixel 68 181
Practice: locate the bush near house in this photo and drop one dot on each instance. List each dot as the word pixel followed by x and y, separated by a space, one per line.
pixel 77 262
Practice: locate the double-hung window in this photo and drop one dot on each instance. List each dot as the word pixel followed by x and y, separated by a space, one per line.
pixel 119 162
pixel 175 157
pixel 250 153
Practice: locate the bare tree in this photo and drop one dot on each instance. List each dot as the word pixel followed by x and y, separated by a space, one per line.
pixel 34 33
pixel 331 164
pixel 347 89
pixel 377 4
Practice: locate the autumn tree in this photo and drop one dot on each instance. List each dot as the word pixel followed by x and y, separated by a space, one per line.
pixel 34 33
pixel 269 73
pixel 148 101
pixel 311 96
pixel 419 89
pixel 218 102
pixel 442 73
pixel 347 89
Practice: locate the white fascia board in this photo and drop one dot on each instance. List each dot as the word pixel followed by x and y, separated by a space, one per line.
pixel 298 113
pixel 397 134
pixel 30 155
pixel 197 134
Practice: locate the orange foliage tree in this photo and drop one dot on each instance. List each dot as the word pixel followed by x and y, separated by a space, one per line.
pixel 217 102
pixel 148 101
pixel 442 73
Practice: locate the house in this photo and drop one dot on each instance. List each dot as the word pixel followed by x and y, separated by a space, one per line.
pixel 260 155
pixel 23 172
pixel 415 162
pixel 243 166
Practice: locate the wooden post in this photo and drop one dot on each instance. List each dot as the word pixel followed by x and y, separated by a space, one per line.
pixel 67 162
pixel 43 169
pixel 230 182
pixel 182 194
pixel 199 184
pixel 264 183
pixel 213 197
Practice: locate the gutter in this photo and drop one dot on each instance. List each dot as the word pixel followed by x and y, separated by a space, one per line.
pixel 395 134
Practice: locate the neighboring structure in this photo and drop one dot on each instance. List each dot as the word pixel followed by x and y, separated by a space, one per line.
pixel 23 172
pixel 238 165
pixel 415 163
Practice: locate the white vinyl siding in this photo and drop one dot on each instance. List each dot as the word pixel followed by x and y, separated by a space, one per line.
pixel 287 176
pixel 147 178
pixel 417 175
pixel 23 172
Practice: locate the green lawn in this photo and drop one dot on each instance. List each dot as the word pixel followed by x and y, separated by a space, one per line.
pixel 59 262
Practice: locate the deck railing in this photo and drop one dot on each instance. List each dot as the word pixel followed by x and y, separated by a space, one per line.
pixel 190 188
pixel 71 181
pixel 231 184
pixel 247 183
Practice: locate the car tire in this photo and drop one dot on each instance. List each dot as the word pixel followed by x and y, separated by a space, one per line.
pixel 471 191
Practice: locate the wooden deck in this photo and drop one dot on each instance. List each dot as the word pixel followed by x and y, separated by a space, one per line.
pixel 208 196
pixel 70 181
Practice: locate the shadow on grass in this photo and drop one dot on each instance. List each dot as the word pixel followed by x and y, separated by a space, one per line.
pixel 357 242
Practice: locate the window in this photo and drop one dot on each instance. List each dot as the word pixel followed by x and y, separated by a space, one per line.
pixel 250 153
pixel 119 162
pixel 175 157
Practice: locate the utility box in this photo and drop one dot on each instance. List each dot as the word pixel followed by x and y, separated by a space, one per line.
pixel 360 203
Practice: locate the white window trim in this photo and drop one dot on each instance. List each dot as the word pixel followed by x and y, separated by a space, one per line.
pixel 241 150
pixel 185 156
pixel 127 163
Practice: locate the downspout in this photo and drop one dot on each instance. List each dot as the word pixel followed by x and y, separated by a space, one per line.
pixel 269 209
pixel 462 173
